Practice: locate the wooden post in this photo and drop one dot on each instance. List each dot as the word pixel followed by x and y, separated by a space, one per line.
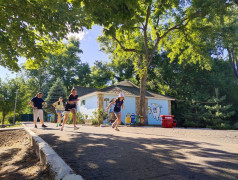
pixel 169 107
pixel 100 103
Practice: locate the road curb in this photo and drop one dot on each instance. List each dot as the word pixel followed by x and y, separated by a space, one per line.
pixel 59 170
pixel 11 129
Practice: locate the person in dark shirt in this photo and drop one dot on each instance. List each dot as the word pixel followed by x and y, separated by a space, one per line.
pixel 117 110
pixel 71 107
pixel 36 103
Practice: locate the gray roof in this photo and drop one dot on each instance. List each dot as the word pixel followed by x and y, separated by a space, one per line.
pixel 126 87
pixel 84 90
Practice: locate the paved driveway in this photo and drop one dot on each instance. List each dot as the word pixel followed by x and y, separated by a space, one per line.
pixel 145 152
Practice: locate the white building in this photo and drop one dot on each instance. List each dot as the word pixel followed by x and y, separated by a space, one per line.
pixel 91 99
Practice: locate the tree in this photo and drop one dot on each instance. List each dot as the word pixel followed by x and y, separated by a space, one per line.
pixel 33 28
pixel 56 91
pixel 216 114
pixel 66 66
pixel 192 87
pixel 141 27
pixel 101 74
pixel 8 93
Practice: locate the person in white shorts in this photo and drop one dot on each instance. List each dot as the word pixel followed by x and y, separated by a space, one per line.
pixel 36 103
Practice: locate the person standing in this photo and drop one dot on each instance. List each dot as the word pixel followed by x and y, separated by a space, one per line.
pixel 112 116
pixel 117 110
pixel 59 108
pixel 36 103
pixel 71 107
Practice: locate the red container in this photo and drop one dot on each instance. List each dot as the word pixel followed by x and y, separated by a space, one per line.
pixel 168 121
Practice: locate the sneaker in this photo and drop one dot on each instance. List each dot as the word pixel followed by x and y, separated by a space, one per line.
pixel 113 125
pixel 60 124
pixel 35 126
pixel 117 129
pixel 61 129
pixel 44 125
pixel 56 125
pixel 76 128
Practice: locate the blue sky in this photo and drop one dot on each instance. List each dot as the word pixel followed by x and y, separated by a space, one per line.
pixel 88 44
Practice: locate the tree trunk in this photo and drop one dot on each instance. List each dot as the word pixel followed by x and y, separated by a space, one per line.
pixel 233 61
pixel 142 109
pixel 3 119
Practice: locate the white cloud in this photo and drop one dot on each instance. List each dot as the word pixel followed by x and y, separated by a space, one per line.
pixel 79 36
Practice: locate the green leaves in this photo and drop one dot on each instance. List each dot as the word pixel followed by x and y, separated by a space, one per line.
pixel 101 74
pixel 32 28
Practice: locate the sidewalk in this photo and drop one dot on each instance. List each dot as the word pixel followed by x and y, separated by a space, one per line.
pixel 145 152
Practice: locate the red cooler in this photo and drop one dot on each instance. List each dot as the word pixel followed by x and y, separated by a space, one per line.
pixel 168 121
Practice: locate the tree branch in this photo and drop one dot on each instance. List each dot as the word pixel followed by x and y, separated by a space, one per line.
pixel 177 26
pixel 123 48
pixel 145 32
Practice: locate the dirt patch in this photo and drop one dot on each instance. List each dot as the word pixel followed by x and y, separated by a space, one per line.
pixel 18 159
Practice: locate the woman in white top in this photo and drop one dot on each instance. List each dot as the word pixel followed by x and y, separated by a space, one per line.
pixel 59 108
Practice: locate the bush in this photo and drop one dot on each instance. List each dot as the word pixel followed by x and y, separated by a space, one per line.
pixel 98 117
pixel 79 118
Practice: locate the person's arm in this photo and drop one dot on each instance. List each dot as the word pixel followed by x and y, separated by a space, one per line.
pixel 70 101
pixel 45 103
pixel 54 105
pixel 73 101
pixel 122 106
pixel 109 106
pixel 32 105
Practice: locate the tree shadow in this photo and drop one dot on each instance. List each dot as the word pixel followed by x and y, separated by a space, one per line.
pixel 99 156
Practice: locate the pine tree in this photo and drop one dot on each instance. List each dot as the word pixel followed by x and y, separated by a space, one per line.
pixel 217 114
pixel 57 90
pixel 193 114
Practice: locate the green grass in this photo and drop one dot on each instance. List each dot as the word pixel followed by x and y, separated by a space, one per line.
pixel 16 125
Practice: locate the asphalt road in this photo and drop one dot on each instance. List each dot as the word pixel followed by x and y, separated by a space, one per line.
pixel 145 152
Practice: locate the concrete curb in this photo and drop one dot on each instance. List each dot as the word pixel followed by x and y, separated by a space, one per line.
pixel 11 129
pixel 58 168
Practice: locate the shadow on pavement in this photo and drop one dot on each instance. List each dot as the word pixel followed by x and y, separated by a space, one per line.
pixel 98 156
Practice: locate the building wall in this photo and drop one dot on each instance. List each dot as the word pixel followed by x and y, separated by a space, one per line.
pixel 89 107
pixel 156 108
pixel 129 105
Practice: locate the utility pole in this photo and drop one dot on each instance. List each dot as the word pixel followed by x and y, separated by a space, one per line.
pixel 15 107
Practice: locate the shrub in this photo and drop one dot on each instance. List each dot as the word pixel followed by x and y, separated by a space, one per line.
pixel 79 118
pixel 98 117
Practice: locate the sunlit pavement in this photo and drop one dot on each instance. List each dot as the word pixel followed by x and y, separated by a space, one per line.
pixel 145 152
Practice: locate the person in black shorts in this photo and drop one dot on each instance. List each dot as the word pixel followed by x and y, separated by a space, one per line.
pixel 71 107
pixel 117 110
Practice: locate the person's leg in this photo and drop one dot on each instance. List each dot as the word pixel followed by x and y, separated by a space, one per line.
pixel 66 115
pixel 115 122
pixel 118 120
pixel 40 113
pixel 35 116
pixel 41 117
pixel 74 118
pixel 59 118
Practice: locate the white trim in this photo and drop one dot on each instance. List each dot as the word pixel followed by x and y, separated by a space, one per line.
pixel 112 94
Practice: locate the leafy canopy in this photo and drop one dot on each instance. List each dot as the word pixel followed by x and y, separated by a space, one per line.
pixel 33 28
